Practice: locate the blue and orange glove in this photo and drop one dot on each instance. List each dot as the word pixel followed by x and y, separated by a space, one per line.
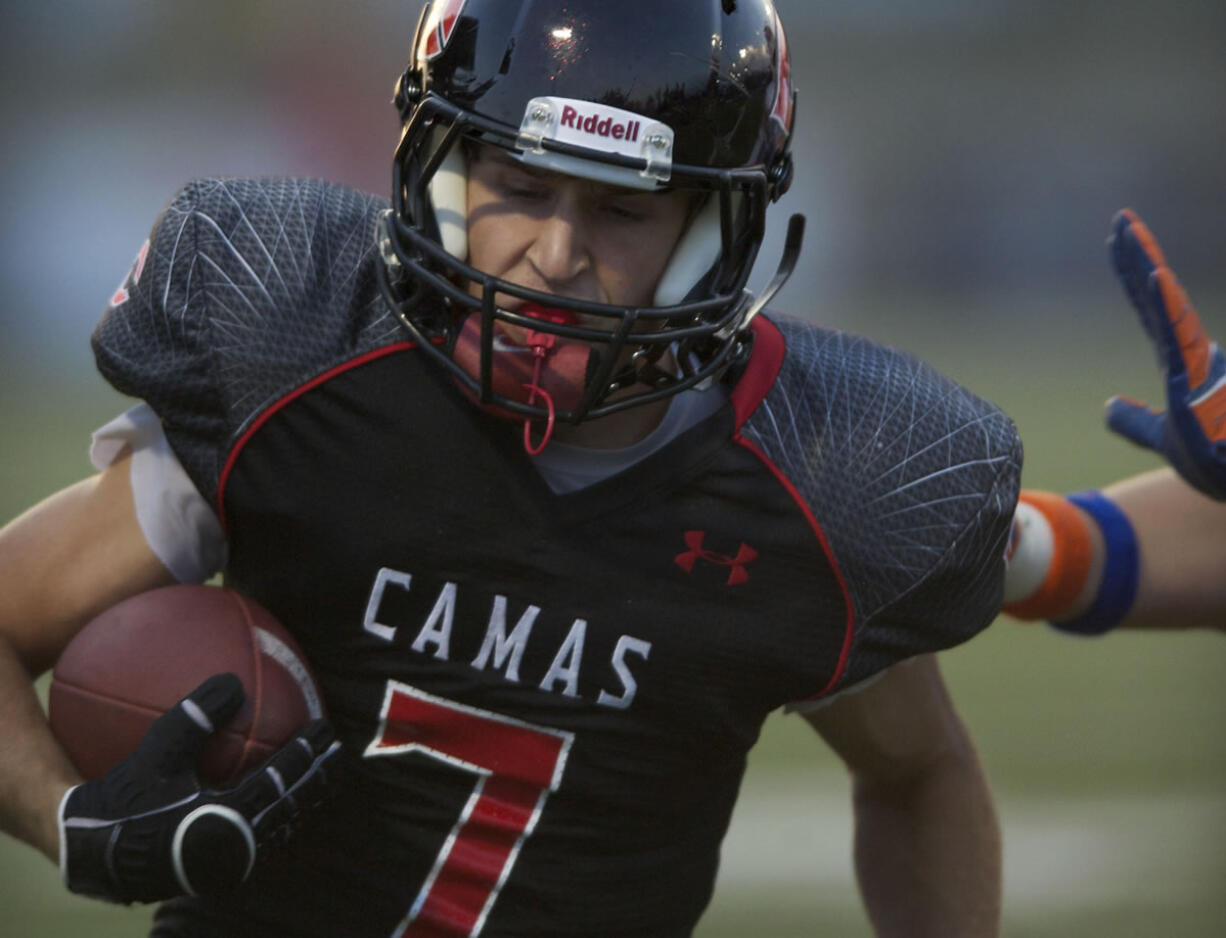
pixel 1191 432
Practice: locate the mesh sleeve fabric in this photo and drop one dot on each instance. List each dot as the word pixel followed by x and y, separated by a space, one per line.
pixel 248 289
pixel 912 478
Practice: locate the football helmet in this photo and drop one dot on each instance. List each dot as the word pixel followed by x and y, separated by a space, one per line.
pixel 691 94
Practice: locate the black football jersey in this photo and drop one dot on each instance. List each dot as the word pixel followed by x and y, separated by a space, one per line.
pixel 546 700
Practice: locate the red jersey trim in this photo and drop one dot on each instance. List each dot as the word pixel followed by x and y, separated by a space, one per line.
pixel 763 369
pixel 849 624
pixel 293 395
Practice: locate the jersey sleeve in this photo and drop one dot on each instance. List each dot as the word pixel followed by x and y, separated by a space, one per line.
pixel 153 339
pixel 911 479
pixel 246 290
pixel 958 596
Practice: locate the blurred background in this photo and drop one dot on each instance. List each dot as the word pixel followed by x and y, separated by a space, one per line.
pixel 959 162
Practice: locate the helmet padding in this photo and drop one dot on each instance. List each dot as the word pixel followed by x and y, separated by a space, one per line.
pixel 449 198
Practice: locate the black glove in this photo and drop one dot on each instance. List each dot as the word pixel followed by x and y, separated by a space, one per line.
pixel 149 831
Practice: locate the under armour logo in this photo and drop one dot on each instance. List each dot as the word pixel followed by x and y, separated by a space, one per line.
pixel 745 555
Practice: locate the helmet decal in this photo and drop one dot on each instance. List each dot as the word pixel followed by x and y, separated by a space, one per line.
pixel 781 113
pixel 442 27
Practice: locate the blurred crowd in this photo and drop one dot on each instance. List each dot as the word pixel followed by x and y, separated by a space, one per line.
pixel 965 147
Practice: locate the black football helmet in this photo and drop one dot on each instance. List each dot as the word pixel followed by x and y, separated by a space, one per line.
pixel 692 94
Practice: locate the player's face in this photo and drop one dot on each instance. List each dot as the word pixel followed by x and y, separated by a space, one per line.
pixel 567 236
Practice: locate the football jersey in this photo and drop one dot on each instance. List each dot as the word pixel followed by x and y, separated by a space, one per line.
pixel 546 699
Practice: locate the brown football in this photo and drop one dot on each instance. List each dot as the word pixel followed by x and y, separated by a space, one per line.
pixel 142 656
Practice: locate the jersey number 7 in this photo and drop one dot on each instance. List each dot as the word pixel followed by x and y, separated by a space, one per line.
pixel 516 766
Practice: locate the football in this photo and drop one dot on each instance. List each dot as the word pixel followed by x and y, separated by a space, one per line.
pixel 142 656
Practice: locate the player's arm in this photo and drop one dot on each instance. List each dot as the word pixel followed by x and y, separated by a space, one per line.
pixel 1181 539
pixel 1150 551
pixel 1146 552
pixel 61 563
pixel 148 830
pixel 927 841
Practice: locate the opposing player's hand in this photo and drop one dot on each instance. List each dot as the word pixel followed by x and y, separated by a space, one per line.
pixel 149 831
pixel 1191 432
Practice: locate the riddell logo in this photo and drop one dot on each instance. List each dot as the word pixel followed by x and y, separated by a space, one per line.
pixel 595 126
pixel 598 126
pixel 745 555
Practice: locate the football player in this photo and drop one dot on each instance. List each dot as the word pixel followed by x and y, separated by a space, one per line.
pixel 1148 551
pixel 559 512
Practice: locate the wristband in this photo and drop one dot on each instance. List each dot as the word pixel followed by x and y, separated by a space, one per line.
pixel 1062 553
pixel 1121 564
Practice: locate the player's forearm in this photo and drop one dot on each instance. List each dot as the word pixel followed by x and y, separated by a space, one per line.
pixel 928 853
pixel 1181 540
pixel 34 772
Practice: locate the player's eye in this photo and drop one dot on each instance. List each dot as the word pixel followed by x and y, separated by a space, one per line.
pixel 517 185
pixel 626 210
pixel 533 193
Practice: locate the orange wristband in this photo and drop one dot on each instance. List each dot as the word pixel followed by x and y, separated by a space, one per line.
pixel 1072 552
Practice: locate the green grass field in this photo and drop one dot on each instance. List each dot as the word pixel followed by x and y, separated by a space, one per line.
pixel 1108 756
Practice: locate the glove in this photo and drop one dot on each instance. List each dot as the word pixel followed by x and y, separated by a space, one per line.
pixel 149 831
pixel 1191 433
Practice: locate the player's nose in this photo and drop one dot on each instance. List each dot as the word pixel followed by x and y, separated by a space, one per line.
pixel 560 251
